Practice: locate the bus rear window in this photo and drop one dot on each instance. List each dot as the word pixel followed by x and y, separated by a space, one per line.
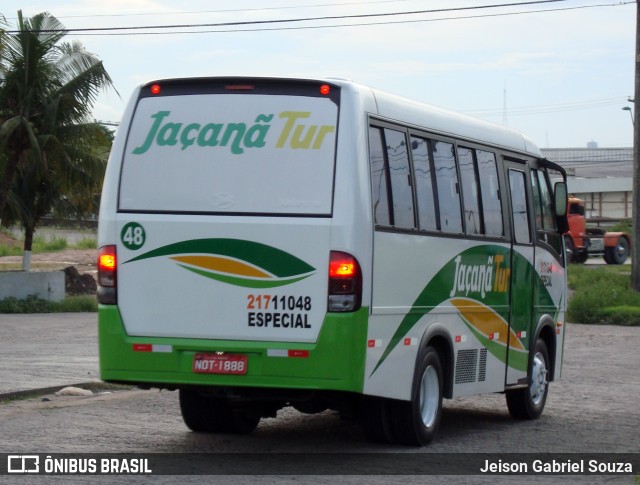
pixel 240 153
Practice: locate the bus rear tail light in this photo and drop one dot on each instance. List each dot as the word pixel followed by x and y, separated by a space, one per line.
pixel 345 283
pixel 107 275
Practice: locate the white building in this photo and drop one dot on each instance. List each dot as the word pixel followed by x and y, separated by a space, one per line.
pixel 602 177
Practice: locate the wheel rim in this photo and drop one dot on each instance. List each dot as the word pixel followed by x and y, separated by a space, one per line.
pixel 538 379
pixel 429 396
pixel 621 248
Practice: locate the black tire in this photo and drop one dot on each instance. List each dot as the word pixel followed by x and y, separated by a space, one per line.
pixel 311 406
pixel 528 403
pixel 208 414
pixel 569 250
pixel 581 257
pixel 416 422
pixel 619 253
pixel 375 417
pixel 195 410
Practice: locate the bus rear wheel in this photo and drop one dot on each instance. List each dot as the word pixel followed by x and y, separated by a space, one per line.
pixel 209 414
pixel 528 403
pixel 416 422
pixel 375 417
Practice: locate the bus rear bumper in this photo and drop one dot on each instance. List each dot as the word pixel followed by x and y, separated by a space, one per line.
pixel 335 362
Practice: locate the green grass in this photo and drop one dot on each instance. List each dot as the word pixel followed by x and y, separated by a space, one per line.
pixel 10 250
pixel 86 243
pixel 603 294
pixel 76 304
pixel 622 226
pixel 33 304
pixel 42 245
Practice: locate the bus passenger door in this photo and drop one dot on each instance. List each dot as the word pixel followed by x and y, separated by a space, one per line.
pixel 549 284
pixel 522 273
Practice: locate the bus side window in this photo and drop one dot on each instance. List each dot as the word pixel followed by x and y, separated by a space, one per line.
pixel 521 230
pixel 546 226
pixel 545 216
pixel 447 183
pixel 424 184
pixel 379 177
pixel 490 190
pixel 548 213
pixel 536 199
pixel 400 177
pixel 469 181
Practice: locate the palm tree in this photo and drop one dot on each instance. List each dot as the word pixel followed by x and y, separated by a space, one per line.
pixel 50 151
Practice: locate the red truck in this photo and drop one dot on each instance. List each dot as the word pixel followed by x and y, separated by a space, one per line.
pixel 581 241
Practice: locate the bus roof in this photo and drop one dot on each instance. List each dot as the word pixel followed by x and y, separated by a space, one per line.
pixel 451 123
pixel 409 111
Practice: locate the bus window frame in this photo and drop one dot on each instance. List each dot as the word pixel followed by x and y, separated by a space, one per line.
pixel 501 156
pixel 543 234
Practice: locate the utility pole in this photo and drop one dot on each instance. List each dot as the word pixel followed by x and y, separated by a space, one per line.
pixel 635 252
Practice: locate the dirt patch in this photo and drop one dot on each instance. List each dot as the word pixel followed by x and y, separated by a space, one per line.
pixel 78 284
pixel 83 259
pixel 6 240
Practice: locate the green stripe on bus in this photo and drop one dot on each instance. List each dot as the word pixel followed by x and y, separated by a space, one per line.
pixel 246 282
pixel 443 286
pixel 273 260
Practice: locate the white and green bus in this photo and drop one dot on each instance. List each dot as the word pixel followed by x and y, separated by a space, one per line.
pixel 323 245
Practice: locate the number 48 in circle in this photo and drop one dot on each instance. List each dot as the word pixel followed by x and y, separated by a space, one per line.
pixel 132 235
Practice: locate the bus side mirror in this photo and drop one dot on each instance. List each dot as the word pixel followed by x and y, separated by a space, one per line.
pixel 560 193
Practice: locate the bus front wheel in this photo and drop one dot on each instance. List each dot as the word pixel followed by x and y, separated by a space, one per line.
pixel 528 403
pixel 415 422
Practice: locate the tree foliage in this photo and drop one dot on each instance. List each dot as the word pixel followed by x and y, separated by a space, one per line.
pixel 52 155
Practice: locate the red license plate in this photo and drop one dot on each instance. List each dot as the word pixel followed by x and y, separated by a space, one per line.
pixel 220 364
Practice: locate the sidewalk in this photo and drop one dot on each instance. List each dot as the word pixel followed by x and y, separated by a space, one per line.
pixel 47 350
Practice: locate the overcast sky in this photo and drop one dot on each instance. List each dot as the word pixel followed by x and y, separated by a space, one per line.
pixel 563 69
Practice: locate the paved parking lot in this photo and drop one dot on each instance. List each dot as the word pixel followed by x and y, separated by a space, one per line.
pixel 45 350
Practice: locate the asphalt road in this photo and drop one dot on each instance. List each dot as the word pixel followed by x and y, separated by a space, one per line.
pixel 44 350
pixel 594 408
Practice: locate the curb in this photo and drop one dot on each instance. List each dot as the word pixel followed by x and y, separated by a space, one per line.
pixel 41 391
